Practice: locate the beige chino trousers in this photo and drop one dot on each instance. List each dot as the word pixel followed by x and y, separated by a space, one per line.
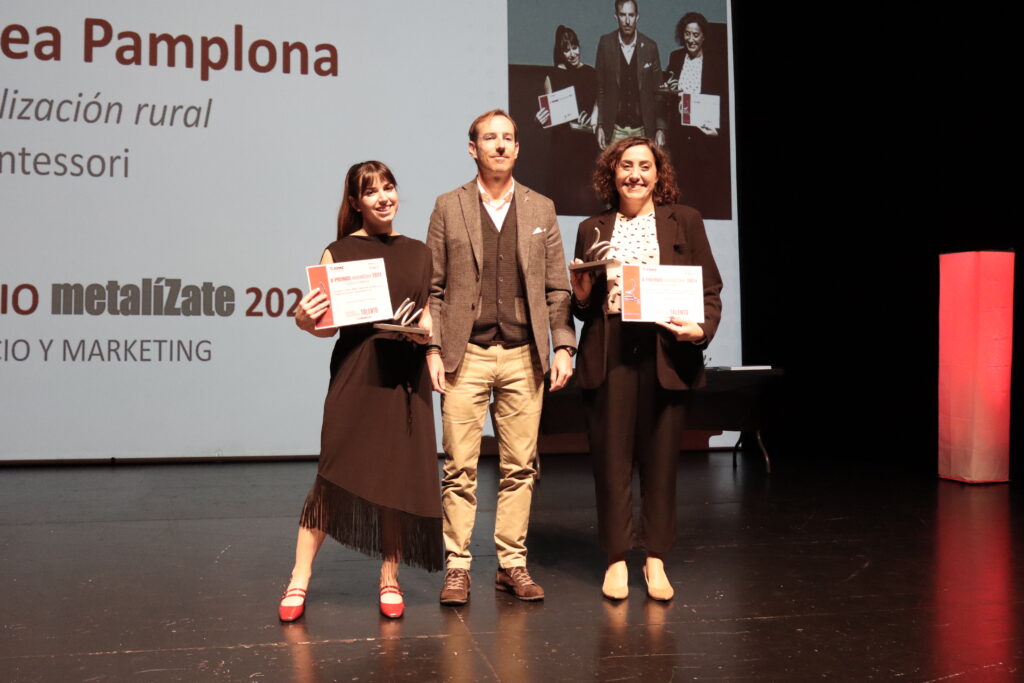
pixel 515 379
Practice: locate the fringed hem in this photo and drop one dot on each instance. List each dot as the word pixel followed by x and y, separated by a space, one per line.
pixel 359 524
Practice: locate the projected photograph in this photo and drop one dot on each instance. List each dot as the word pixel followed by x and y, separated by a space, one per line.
pixel 583 74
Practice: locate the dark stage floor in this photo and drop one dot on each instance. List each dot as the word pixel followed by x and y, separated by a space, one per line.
pixel 172 573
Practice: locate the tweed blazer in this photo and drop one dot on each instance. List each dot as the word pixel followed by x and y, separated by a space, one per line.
pixel 608 78
pixel 681 242
pixel 455 239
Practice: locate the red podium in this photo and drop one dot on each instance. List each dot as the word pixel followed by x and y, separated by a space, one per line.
pixel 975 348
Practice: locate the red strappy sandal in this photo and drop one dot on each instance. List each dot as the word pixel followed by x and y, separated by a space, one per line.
pixel 292 612
pixel 391 610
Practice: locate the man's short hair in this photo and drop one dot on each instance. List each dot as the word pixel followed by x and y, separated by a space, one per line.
pixel 620 3
pixel 487 116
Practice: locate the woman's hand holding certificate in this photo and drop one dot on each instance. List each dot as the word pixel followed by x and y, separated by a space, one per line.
pixel 684 330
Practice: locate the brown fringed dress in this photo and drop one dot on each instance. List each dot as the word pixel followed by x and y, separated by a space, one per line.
pixel 376 488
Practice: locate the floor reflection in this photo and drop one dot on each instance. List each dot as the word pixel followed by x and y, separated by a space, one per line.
pixel 300 649
pixel 389 648
pixel 647 644
pixel 460 662
pixel 974 592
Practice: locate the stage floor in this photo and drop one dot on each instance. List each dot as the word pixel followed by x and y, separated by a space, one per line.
pixel 173 572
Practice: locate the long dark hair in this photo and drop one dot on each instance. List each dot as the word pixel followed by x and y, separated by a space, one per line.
pixel 359 177
pixel 665 190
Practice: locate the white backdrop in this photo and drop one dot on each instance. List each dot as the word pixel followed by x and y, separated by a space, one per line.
pixel 243 202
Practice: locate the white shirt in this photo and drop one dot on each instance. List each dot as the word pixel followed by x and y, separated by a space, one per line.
pixel 689 80
pixel 635 240
pixel 627 50
pixel 496 209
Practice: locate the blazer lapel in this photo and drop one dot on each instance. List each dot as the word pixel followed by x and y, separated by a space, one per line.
pixel 524 227
pixel 640 55
pixel 613 56
pixel 668 234
pixel 605 227
pixel 469 198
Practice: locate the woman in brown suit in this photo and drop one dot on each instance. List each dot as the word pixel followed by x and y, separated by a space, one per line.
pixel 635 375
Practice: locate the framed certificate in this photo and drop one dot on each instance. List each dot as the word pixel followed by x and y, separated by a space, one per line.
pixel 358 292
pixel 658 293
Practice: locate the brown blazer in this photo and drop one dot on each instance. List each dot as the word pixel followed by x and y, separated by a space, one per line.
pixel 681 242
pixel 456 241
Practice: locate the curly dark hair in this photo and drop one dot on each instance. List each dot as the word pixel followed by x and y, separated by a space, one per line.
pixel 686 20
pixel 665 190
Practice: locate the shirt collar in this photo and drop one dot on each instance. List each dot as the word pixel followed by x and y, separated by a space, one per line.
pixel 495 204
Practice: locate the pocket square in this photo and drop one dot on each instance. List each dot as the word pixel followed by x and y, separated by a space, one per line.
pixel 538 230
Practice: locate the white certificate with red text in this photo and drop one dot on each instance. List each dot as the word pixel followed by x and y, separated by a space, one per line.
pixel 561 104
pixel 358 292
pixel 702 110
pixel 658 293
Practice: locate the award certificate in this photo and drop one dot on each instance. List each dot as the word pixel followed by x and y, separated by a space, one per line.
pixel 658 293
pixel 358 292
pixel 561 104
pixel 702 110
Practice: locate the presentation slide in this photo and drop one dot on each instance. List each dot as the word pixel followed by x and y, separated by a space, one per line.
pixel 167 172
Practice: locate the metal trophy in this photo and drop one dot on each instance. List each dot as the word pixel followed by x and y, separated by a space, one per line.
pixel 405 316
pixel 600 254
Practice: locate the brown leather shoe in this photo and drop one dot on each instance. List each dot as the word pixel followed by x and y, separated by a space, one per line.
pixel 455 590
pixel 517 581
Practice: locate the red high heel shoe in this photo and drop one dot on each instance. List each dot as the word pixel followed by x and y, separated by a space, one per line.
pixel 391 610
pixel 292 612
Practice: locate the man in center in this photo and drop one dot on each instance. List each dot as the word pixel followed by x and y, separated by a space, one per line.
pixel 499 298
pixel 628 69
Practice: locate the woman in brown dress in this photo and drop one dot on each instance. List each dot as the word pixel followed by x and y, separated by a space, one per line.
pixel 573 144
pixel 635 375
pixel 376 488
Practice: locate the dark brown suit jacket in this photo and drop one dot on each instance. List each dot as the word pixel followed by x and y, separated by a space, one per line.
pixel 681 242
pixel 456 242
pixel 608 79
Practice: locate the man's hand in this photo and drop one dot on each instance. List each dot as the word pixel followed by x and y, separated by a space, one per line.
pixel 561 369
pixel 659 138
pixel 436 369
pixel 684 330
pixel 600 138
